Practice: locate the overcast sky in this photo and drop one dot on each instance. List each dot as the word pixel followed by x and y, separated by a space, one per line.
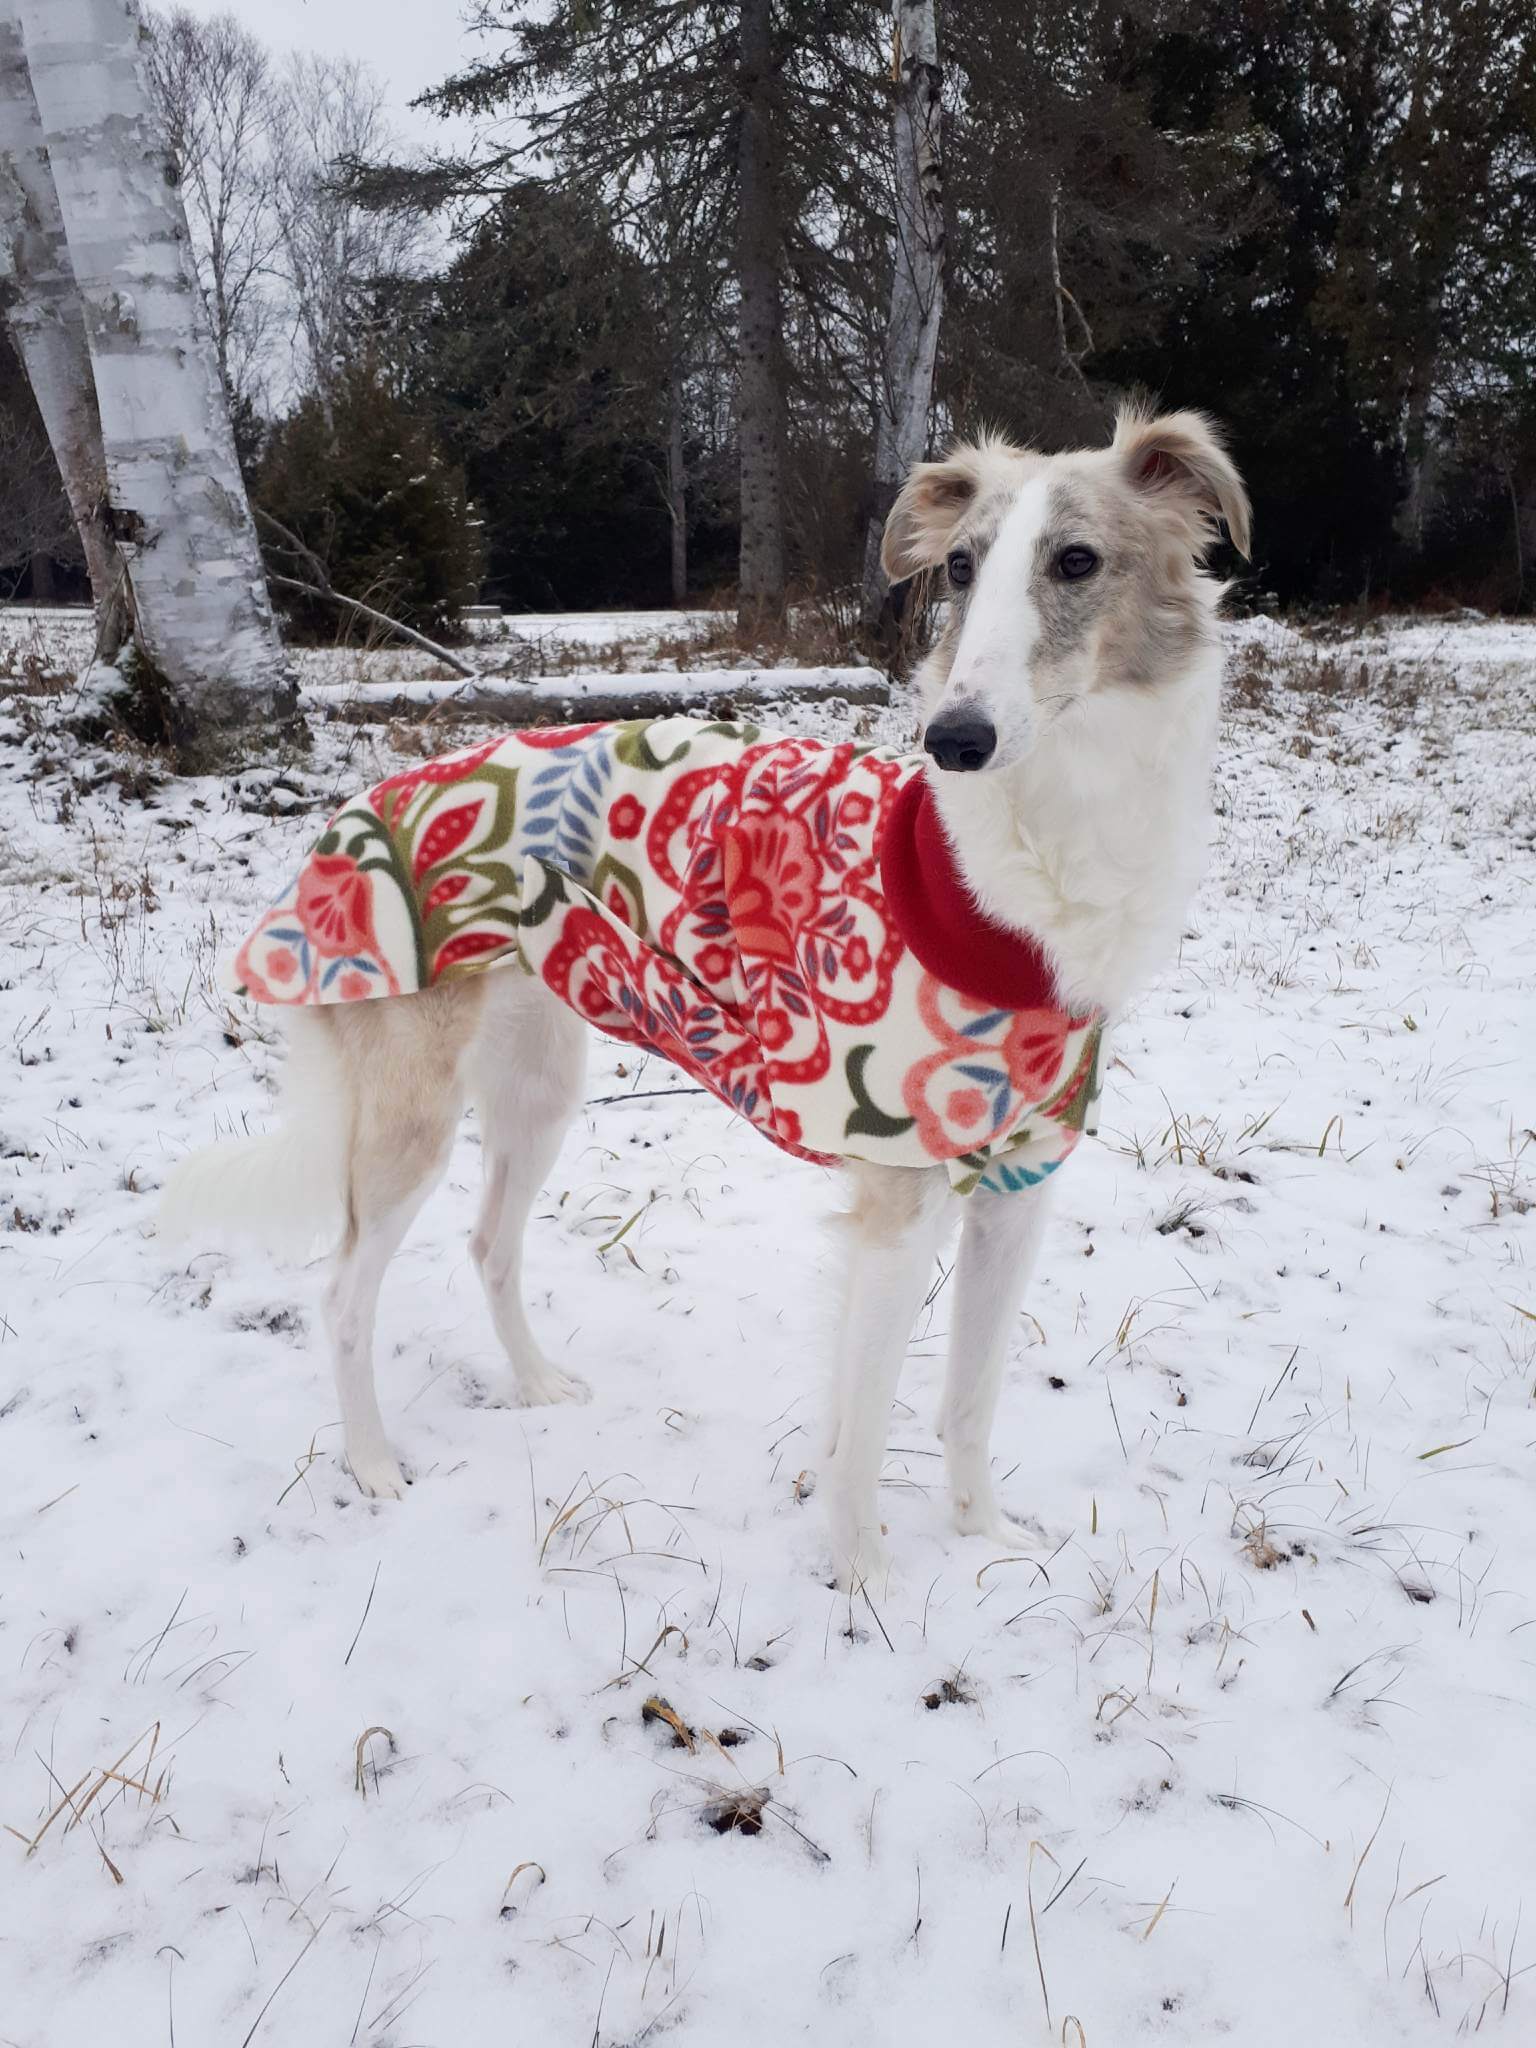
pixel 412 44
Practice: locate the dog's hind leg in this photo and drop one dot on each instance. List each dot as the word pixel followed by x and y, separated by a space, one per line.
pixel 525 1074
pixel 998 1248
pixel 402 1063
pixel 897 1224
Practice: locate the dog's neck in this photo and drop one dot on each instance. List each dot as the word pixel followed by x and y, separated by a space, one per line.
pixel 1096 841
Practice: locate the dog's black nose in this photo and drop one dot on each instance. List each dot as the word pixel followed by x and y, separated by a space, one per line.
pixel 961 739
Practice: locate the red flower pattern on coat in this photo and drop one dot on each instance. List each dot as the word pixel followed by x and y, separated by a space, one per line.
pixel 947 1093
pixel 1034 1049
pixel 444 836
pixel 390 797
pixel 334 904
pixel 448 890
pixel 626 816
pixel 772 878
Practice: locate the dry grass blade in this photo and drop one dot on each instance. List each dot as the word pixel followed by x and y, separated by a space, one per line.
pixel 512 1880
pixel 303 1952
pixel 1033 1563
pixel 1147 1931
pixel 103 1775
pixel 658 1709
pixel 1349 1896
pixel 573 1504
pixel 359 1781
pixel 644 1663
pixel 367 1608
pixel 624 1229
pixel 66 1802
pixel 1034 1925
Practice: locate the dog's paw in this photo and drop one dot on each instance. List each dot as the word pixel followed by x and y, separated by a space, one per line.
pixel 870 1571
pixel 379 1476
pixel 547 1385
pixel 860 1559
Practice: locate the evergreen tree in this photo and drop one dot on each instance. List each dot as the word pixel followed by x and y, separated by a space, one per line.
pixel 734 147
pixel 357 478
pixel 544 364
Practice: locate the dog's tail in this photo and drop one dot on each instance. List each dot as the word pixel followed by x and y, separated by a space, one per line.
pixel 286 1191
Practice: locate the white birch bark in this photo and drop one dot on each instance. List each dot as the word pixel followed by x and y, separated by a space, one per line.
pixel 42 309
pixel 917 283
pixel 180 512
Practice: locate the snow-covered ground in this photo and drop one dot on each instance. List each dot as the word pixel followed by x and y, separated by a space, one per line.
pixel 60 638
pixel 1241 1753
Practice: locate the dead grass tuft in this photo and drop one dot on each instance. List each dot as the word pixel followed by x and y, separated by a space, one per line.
pixel 949 1692
pixel 738 1811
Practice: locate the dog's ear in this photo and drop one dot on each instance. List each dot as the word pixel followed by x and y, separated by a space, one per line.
pixel 928 508
pixel 1180 457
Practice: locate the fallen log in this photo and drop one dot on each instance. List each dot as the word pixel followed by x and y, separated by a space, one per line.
pixel 554 700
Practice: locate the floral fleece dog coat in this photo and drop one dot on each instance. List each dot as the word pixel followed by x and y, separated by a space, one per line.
pixel 781 918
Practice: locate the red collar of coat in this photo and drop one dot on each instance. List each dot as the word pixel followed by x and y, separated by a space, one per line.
pixel 933 908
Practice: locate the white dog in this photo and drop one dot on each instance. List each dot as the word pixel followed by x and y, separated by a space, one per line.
pixel 716 896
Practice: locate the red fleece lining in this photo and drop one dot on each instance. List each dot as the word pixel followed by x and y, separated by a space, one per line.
pixel 940 920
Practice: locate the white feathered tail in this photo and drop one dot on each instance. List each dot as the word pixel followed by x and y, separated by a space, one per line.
pixel 285 1191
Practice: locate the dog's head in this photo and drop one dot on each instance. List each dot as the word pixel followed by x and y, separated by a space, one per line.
pixel 1067 575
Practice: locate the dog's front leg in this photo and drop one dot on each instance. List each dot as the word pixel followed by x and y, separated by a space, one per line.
pixel 998 1248
pixel 897 1223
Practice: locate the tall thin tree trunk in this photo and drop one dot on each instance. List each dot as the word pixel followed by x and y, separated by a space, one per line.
pixel 1518 525
pixel 917 283
pixel 760 368
pixel 677 482
pixel 180 512
pixel 1414 508
pixel 1072 358
pixel 42 310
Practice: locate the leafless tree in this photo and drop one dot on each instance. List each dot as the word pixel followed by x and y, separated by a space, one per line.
pixel 213 80
pixel 328 112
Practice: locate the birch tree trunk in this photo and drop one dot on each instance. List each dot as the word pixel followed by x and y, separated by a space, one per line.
pixel 42 309
pixel 760 369
pixel 180 514
pixel 917 282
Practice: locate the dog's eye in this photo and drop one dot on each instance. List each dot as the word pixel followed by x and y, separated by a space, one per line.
pixel 960 567
pixel 1076 563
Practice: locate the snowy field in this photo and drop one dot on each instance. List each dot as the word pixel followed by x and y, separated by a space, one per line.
pixel 1242 1752
pixel 60 638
